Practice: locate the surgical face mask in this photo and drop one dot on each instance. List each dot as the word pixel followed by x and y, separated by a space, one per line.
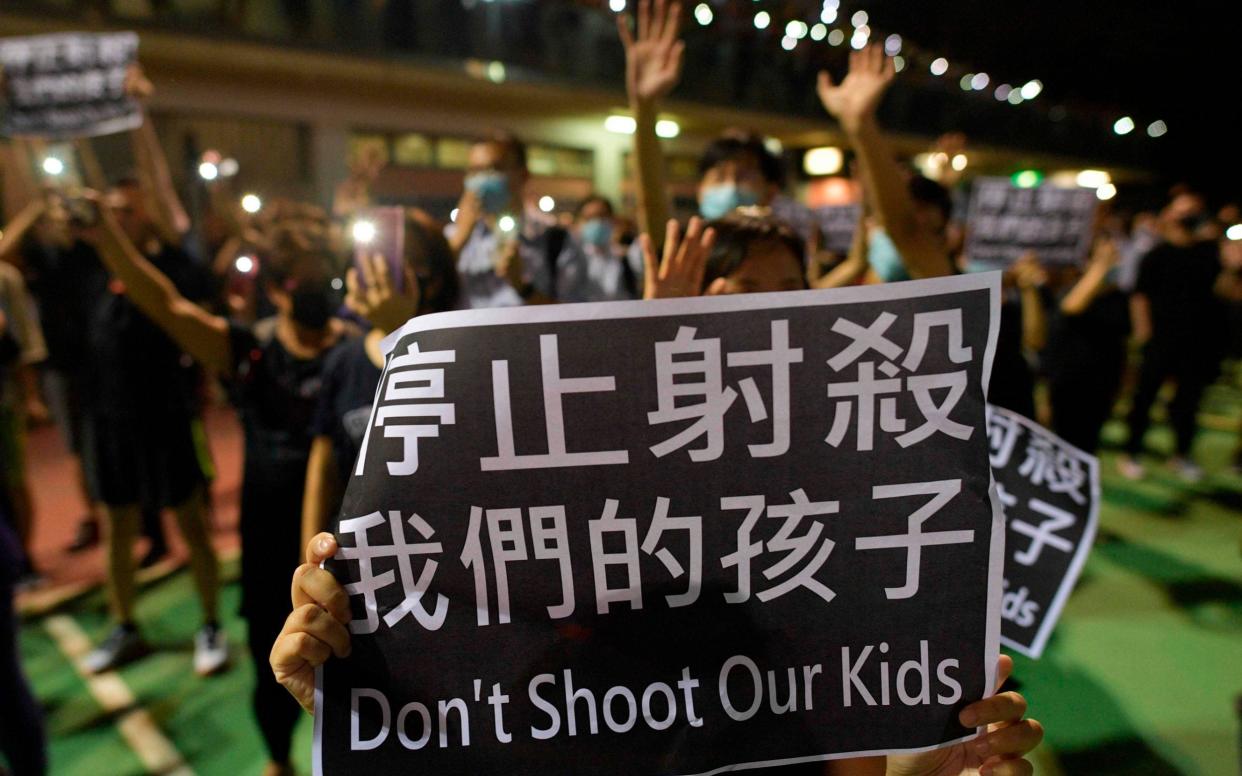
pixel 722 199
pixel 883 257
pixel 492 189
pixel 313 304
pixel 597 232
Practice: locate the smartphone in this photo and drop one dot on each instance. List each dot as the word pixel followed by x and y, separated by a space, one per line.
pixel 381 230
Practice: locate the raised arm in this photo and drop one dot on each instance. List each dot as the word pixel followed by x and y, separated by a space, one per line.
pixel 163 203
pixel 854 102
pixel 653 61
pixel 855 264
pixel 16 229
pixel 203 335
pixel 1030 277
pixel 1103 258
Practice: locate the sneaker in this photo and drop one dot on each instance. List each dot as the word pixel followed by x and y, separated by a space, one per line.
pixel 120 646
pixel 1129 468
pixel 211 652
pixel 86 536
pixel 1189 471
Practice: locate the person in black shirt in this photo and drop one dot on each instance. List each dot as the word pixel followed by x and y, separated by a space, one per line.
pixel 1179 317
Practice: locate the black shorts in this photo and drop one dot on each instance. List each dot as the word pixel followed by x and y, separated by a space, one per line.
pixel 150 461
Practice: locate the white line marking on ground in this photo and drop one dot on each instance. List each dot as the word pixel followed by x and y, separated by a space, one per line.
pixel 157 753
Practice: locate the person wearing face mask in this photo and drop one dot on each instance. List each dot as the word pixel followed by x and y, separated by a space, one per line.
pixel 273 372
pixel 506 257
pixel 1178 316
pixel 608 272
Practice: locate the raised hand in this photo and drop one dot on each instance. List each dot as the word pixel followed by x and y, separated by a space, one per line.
pixel 316 629
pixel 137 85
pixel 857 97
pixel 998 752
pixel 680 272
pixel 654 54
pixel 1028 273
pixel 376 300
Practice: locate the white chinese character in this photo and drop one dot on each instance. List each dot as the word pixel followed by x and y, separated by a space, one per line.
pixel 914 540
pixel 403 391
pixel 778 357
pixel 661 523
pixel 1003 433
pixel 864 391
pixel 369 583
pixel 627 559
pixel 1044 533
pixel 707 414
pixel 936 416
pixel 507 544
pixel 746 549
pixel 923 324
pixel 1049 465
pixel 805 552
pixel 554 389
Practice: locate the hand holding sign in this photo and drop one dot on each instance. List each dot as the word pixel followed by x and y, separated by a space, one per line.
pixel 857 97
pixel 680 272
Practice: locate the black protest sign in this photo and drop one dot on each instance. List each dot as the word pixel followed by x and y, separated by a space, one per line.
pixel 1005 221
pixel 669 537
pixel 68 85
pixel 1050 491
pixel 837 225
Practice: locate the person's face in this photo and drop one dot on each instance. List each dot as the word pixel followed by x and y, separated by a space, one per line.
pixel 744 173
pixel 1182 213
pixel 130 211
pixel 491 157
pixel 592 210
pixel 769 266
pixel 305 296
pixel 52 228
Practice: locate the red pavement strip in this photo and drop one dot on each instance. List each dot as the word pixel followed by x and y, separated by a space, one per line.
pixel 59 508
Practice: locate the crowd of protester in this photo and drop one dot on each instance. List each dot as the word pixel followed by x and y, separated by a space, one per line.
pixel 116 322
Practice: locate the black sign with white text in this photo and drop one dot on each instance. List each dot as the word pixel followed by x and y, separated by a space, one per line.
pixel 1005 221
pixel 658 538
pixel 1050 491
pixel 837 225
pixel 68 85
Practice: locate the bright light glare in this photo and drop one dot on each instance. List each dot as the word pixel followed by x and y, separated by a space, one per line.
pixel 979 82
pixel 788 43
pixel 547 204
pixel 859 18
pixel 1124 125
pixel 1015 97
pixel 1106 192
pixel 703 14
pixel 251 203
pixel 892 45
pixel 825 160
pixel 228 168
pixel 363 231
pixel 1157 129
pixel 616 6
pixel 836 37
pixel 828 16
pixel 53 166
pixel 939 66
pixel 899 63
pixel 621 125
pixel 453 215
pixel 967 82
pixel 1031 89
pixel 796 30
pixel 819 32
pixel 1092 179
pixel 208 171
pixel 959 162
pixel 762 20
pixel 667 128
pixel 506 223
pixel 337 284
pixel 244 264
pixel 1002 92
pixel 1234 232
pixel 859 41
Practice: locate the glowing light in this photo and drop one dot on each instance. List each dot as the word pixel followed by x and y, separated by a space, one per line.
pixel 979 82
pixel 825 160
pixel 619 124
pixel 859 41
pixel 1092 179
pixel 496 72
pixel 506 223
pixel 788 43
pixel 1157 129
pixel 819 32
pixel 228 168
pixel 251 203
pixel 244 264
pixel 667 128
pixel 337 284
pixel 762 20
pixel 703 14
pixel 616 6
pixel 1027 179
pixel 859 18
pixel 1002 92
pixel 939 66
pixel 363 231
pixel 829 15
pixel 453 215
pixel 774 145
pixel 1031 89
pixel 899 63
pixel 53 166
pixel 1106 192
pixel 208 171
pixel 1123 125
pixel 1015 97
pixel 892 45
pixel 547 204
pixel 967 82
pixel 1234 232
pixel 836 38
pixel 959 162
pixel 796 30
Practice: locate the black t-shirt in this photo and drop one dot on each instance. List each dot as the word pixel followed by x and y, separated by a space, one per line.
pixel 1179 284
pixel 1012 384
pixel 67 285
pixel 1090 347
pixel 134 368
pixel 349 384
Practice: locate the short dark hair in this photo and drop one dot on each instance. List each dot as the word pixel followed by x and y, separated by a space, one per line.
pixel 734 146
pixel 594 198
pixel 737 231
pixel 926 191
pixel 510 144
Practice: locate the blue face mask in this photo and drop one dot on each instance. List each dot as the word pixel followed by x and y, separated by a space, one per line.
pixel 883 257
pixel 492 189
pixel 597 232
pixel 721 200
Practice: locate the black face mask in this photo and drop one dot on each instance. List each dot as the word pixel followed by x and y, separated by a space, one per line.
pixel 1192 223
pixel 313 304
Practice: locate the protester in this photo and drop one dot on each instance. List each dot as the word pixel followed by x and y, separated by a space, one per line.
pixel 608 272
pixel 22 737
pixel 1178 316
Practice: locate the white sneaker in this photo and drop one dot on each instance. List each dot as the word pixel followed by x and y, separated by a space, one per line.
pixel 1129 468
pixel 1189 471
pixel 120 646
pixel 211 651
